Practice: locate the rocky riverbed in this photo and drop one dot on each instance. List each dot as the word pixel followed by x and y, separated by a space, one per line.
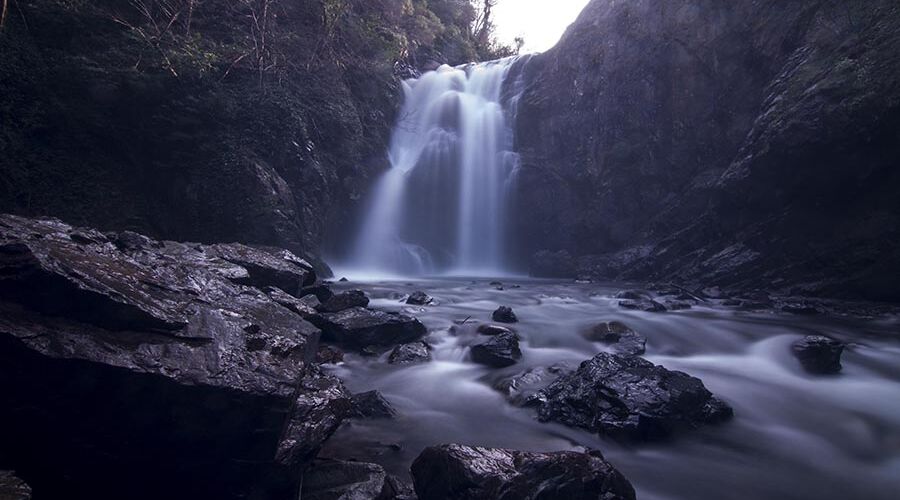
pixel 137 368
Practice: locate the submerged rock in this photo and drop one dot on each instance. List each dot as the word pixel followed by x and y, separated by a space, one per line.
pixel 522 388
pixel 344 301
pixel 488 329
pixel 498 351
pixel 359 327
pixel 819 354
pixel 164 363
pixel 415 352
pixel 629 397
pixel 458 472
pixel 418 298
pixel 371 405
pixel 619 336
pixel 504 314
pixel 330 479
pixel 13 488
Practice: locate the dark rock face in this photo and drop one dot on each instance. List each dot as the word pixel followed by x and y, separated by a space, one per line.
pixel 358 327
pixel 498 351
pixel 457 472
pixel 163 364
pixel 707 140
pixel 412 353
pixel 547 264
pixel 504 314
pixel 819 354
pixel 371 405
pixel 343 301
pixel 619 336
pixel 630 398
pixel 329 479
pixel 418 299
pixel 522 389
pixel 13 488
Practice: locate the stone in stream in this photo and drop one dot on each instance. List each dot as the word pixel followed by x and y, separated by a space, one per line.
pixel 359 327
pixel 819 354
pixel 488 329
pixel 458 472
pixel 13 488
pixel 646 305
pixel 371 404
pixel 406 354
pixel 320 291
pixel 329 355
pixel 504 314
pixel 330 479
pixel 498 351
pixel 344 300
pixel 521 388
pixel 164 361
pixel 630 398
pixel 621 338
pixel 418 298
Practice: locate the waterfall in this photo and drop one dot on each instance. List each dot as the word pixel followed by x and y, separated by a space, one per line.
pixel 441 207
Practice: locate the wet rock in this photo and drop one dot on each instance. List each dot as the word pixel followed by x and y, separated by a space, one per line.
pixel 819 354
pixel 504 314
pixel 343 301
pixel 800 308
pixel 619 336
pixel 498 351
pixel 304 307
pixel 418 298
pixel 457 472
pixel 359 327
pixel 13 488
pixel 633 295
pixel 320 291
pixel 329 355
pixel 266 266
pixel 496 283
pixel 646 305
pixel 677 305
pixel 488 329
pixel 521 388
pixel 631 398
pixel 732 302
pixel 164 362
pixel 406 354
pixel 371 405
pixel 330 479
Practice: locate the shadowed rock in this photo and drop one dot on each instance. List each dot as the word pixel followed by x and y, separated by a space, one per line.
pixel 498 351
pixel 418 298
pixel 504 314
pixel 629 397
pixel 330 479
pixel 13 488
pixel 343 301
pixel 415 352
pixel 163 362
pixel 457 472
pixel 621 338
pixel 359 327
pixel 371 405
pixel 819 354
pixel 488 329
pixel 522 388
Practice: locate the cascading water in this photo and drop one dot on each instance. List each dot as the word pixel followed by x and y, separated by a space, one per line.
pixel 442 205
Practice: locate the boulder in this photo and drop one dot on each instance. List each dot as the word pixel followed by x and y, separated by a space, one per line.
pixel 344 300
pixel 621 338
pixel 329 355
pixel 371 405
pixel 646 305
pixel 498 351
pixel 406 354
pixel 488 329
pixel 630 398
pixel 163 362
pixel 458 472
pixel 819 354
pixel 358 327
pixel 320 291
pixel 504 314
pixel 13 488
pixel 330 479
pixel 418 299
pixel 267 266
pixel 522 388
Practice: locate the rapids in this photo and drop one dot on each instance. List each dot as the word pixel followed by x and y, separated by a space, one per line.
pixel 794 435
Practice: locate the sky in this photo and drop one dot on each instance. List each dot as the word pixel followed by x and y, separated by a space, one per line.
pixel 540 22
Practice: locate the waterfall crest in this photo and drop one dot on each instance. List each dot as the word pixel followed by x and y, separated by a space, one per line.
pixel 441 207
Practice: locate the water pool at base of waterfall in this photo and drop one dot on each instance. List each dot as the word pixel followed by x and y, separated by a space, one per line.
pixel 793 436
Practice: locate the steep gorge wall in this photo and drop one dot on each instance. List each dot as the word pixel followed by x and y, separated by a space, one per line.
pixel 737 143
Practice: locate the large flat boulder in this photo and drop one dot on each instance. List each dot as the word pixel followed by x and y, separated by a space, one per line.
pixel 360 327
pixel 458 472
pixel 630 398
pixel 125 360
